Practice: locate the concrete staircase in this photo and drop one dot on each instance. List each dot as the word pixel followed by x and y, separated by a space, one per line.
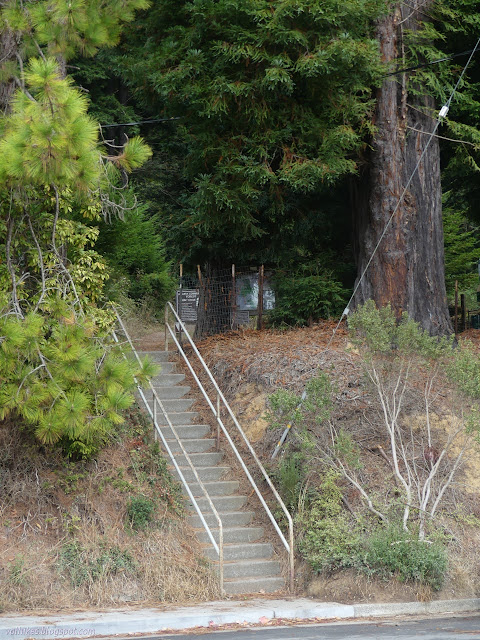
pixel 249 562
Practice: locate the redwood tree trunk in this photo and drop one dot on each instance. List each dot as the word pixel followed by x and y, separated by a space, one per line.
pixel 407 271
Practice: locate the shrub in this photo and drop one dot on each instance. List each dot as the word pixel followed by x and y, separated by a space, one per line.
pixel 393 552
pixel 328 540
pixel 305 296
pixel 140 512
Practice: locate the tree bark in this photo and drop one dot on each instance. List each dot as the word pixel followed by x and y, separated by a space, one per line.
pixel 8 51
pixel 407 270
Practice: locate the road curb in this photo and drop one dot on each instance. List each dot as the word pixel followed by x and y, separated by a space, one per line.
pixel 210 614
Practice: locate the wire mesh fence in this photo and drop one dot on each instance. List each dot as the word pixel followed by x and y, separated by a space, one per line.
pixel 218 300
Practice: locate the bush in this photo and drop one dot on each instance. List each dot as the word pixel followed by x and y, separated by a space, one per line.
pixel 328 540
pixel 305 296
pixel 394 552
pixel 140 512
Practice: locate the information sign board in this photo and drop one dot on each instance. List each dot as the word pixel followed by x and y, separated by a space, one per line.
pixel 187 304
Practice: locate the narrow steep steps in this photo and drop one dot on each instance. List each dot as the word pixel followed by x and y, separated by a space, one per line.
pixel 250 565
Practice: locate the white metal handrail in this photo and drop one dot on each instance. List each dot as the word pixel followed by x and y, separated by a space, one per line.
pixel 153 414
pixel 216 411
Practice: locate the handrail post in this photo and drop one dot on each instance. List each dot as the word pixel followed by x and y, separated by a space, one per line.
pixel 218 421
pixel 166 327
pixel 291 554
pixel 220 557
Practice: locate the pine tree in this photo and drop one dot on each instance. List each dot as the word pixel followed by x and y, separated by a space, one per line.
pixel 59 369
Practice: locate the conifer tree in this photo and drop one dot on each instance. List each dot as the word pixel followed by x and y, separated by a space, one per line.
pixel 59 370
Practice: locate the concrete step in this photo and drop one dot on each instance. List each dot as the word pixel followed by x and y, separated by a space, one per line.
pixel 175 405
pixel 229 519
pixel 218 488
pixel 168 393
pixel 251 569
pixel 206 474
pixel 222 504
pixel 156 356
pixel 254 585
pixel 252 550
pixel 167 379
pixel 165 367
pixel 180 418
pixel 192 445
pixel 208 459
pixel 233 535
pixel 187 431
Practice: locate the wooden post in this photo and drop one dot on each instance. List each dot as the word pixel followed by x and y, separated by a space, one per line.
pixel 463 312
pixel 199 271
pixel 234 299
pixel 456 307
pixel 260 298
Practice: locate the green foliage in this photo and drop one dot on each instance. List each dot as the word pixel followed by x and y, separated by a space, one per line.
pixel 49 139
pixel 286 407
pixel 68 27
pixel 289 478
pixel 135 252
pixel 17 572
pixel 275 100
pixel 461 252
pixel 64 379
pixel 464 370
pixel 304 297
pixel 393 552
pixel 327 539
pixel 379 332
pixel 60 372
pixel 318 399
pixel 283 408
pixel 140 512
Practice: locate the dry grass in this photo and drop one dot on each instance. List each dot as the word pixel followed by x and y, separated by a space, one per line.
pixel 65 540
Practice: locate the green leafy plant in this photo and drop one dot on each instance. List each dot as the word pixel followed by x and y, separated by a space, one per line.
pixel 302 298
pixel 140 512
pixel 327 537
pixel 149 465
pixel 391 551
pixel 17 571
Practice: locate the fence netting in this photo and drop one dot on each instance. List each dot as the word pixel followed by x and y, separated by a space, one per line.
pixel 218 300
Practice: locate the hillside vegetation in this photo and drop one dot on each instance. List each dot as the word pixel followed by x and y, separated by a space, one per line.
pixel 380 468
pixel 107 532
pixel 111 530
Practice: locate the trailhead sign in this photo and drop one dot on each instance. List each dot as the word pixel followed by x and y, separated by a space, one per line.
pixel 187 304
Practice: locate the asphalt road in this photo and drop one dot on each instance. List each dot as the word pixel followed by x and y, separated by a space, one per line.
pixel 452 628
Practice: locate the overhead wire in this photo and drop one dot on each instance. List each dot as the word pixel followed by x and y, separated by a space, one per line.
pixel 131 124
pixel 442 114
pixel 427 64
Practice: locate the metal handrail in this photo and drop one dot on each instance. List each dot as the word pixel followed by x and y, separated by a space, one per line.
pixel 153 414
pixel 216 411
